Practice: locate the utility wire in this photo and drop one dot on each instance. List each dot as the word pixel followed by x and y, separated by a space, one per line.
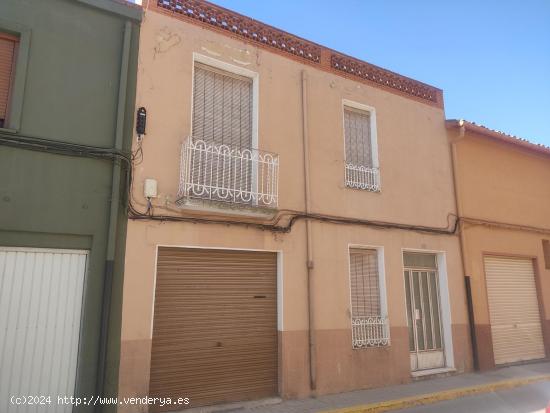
pixel 129 159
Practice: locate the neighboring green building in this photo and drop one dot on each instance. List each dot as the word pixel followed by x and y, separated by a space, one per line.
pixel 67 94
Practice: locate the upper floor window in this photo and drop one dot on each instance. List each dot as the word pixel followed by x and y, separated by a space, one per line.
pixel 220 160
pixel 361 150
pixel 222 107
pixel 8 51
pixel 369 324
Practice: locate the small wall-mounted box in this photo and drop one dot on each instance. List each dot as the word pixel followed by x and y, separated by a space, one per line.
pixel 150 188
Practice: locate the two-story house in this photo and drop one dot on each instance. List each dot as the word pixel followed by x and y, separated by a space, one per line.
pixel 293 220
pixel 503 200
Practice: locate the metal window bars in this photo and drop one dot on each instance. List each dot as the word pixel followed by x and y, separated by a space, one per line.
pixel 362 177
pixel 369 332
pixel 228 174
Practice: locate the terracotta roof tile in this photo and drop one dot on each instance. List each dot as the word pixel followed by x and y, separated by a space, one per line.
pixel 493 133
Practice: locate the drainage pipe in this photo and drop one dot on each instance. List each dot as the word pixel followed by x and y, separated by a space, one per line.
pixel 113 213
pixel 462 238
pixel 309 246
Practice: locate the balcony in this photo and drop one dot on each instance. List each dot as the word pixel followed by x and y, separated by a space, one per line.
pixel 362 177
pixel 222 173
pixel 369 332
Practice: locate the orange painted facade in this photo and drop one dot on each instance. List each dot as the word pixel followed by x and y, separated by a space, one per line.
pixel 503 199
pixel 416 191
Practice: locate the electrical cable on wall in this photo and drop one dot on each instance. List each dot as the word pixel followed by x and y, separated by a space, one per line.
pixel 136 158
pixel 274 224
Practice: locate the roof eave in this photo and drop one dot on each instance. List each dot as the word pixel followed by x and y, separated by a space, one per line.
pixel 482 130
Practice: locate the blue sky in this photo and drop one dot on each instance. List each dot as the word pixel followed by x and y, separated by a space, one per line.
pixel 491 58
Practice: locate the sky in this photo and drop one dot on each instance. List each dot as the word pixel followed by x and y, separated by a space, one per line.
pixel 491 58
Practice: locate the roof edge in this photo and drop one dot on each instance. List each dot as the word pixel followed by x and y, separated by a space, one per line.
pixel 498 135
pixel 244 28
pixel 121 7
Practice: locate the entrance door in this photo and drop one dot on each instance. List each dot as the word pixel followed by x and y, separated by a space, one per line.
pixel 423 311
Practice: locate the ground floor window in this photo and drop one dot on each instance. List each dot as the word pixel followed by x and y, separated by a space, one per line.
pixel 369 320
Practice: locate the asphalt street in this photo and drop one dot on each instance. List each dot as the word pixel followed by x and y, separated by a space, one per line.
pixel 533 398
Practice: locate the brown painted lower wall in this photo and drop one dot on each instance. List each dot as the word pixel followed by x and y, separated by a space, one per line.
pixel 462 347
pixel 135 362
pixel 339 367
pixel 484 345
pixel 293 366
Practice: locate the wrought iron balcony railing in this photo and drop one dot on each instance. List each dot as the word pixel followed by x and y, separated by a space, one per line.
pixel 369 332
pixel 228 174
pixel 362 177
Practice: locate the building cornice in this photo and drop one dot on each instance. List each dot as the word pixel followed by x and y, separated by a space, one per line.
pixel 252 31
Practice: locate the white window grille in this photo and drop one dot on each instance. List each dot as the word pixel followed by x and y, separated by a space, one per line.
pixel 362 177
pixel 229 174
pixel 369 327
pixel 361 169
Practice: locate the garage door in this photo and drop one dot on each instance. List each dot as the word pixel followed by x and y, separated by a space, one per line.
pixel 40 305
pixel 513 309
pixel 215 326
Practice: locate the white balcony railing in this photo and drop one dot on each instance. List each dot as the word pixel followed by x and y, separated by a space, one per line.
pixel 223 173
pixel 369 332
pixel 362 177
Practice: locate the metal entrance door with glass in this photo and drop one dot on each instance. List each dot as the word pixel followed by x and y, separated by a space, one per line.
pixel 423 311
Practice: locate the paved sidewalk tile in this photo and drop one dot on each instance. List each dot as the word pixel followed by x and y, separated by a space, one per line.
pixel 424 386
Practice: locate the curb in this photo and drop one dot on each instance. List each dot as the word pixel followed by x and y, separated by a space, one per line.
pixel 429 398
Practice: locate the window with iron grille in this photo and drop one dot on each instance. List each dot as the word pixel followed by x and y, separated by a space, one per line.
pixel 361 169
pixel 222 130
pixel 220 161
pixel 369 324
pixel 8 50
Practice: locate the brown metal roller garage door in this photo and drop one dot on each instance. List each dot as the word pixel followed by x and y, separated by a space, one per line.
pixel 215 326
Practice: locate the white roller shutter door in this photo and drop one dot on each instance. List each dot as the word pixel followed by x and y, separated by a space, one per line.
pixel 40 305
pixel 513 309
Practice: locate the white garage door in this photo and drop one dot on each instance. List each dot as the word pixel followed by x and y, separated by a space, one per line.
pixel 40 305
pixel 513 309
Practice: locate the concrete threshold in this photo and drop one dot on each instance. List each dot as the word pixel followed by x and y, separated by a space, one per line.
pixel 429 398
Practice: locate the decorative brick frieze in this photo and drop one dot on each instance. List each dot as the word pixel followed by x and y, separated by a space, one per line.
pixel 386 78
pixel 236 25
pixel 246 27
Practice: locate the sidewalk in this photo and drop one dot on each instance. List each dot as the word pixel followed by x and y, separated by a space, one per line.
pixel 445 388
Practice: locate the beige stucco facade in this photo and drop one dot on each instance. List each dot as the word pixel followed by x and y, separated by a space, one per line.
pixel 504 199
pixel 416 189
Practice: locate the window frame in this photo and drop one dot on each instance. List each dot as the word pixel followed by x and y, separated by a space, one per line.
pixel 346 103
pixel 19 78
pixel 546 253
pixel 232 69
pixel 381 286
